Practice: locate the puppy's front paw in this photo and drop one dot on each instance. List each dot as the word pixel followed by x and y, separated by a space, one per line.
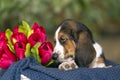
pixel 68 65
pixel 108 66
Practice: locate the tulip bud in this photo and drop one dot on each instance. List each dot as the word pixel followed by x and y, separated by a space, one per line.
pixel 45 52
pixel 20 48
pixel 6 57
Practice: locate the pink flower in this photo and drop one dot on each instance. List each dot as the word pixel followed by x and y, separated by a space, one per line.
pixel 20 48
pixel 34 38
pixel 15 30
pixel 2 44
pixel 39 29
pixel 18 37
pixel 2 36
pixel 17 45
pixel 45 52
pixel 3 41
pixel 39 35
pixel 6 57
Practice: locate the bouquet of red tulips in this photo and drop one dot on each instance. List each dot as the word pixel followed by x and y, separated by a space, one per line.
pixel 24 41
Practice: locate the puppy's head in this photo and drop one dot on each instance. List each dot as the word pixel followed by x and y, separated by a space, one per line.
pixel 73 40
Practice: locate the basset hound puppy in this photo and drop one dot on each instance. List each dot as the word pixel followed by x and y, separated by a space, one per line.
pixel 75 47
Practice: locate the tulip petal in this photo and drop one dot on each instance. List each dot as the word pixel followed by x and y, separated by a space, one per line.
pixel 45 59
pixel 2 36
pixel 38 28
pixel 18 37
pixel 6 58
pixel 15 30
pixel 35 37
pixel 5 61
pixel 35 26
pixel 20 48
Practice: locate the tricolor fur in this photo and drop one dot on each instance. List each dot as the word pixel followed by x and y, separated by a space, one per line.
pixel 74 41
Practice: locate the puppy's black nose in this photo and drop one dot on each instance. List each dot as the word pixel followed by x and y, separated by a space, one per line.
pixel 54 56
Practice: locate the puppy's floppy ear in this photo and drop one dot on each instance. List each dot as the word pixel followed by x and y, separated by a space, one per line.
pixel 85 51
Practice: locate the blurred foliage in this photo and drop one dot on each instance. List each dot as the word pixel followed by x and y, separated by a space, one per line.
pixel 99 15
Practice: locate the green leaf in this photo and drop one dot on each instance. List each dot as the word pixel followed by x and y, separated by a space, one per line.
pixel 27 52
pixel 35 52
pixel 11 47
pixel 8 34
pixel 51 61
pixel 25 28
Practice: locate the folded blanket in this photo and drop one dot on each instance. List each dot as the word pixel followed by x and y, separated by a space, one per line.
pixel 34 71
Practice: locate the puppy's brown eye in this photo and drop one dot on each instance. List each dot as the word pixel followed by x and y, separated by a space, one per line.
pixel 62 40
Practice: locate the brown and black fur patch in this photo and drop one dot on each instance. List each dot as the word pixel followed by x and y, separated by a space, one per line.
pixel 85 52
pixel 68 44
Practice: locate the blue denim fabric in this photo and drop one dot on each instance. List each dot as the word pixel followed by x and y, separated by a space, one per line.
pixel 30 68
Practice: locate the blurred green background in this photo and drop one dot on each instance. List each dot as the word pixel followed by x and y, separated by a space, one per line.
pixel 101 16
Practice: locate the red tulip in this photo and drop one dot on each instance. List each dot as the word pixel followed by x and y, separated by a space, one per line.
pixel 38 29
pixel 45 52
pixel 20 48
pixel 15 30
pixel 35 37
pixel 38 35
pixel 2 44
pixel 2 36
pixel 18 37
pixel 6 57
